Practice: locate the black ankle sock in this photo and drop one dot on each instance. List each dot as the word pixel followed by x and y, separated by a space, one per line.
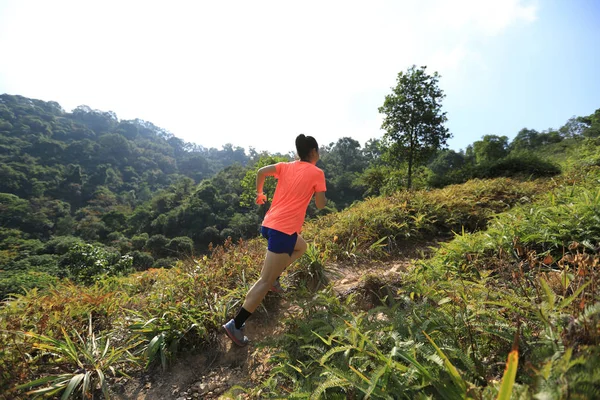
pixel 241 317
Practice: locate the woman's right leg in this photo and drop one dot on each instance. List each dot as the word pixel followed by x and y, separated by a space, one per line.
pixel 299 249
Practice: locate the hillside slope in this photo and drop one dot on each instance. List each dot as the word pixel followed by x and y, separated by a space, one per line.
pixel 441 326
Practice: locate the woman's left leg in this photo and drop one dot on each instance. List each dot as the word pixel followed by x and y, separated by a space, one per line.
pixel 273 267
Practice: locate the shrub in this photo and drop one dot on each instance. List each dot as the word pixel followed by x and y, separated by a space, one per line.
pixel 210 234
pixel 43 263
pixel 86 263
pixel 120 242
pixel 84 363
pixel 164 263
pixel 61 244
pixel 139 241
pixel 181 246
pixel 228 232
pixel 524 164
pixel 156 245
pixel 418 215
pixel 17 282
pixel 142 260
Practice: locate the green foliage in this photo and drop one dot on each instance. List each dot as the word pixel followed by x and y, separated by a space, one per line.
pixel 141 260
pixel 573 153
pixel 524 164
pixel 446 160
pixel 51 312
pixel 558 218
pixel 517 164
pixel 167 262
pixel 249 181
pixel 19 282
pixel 183 306
pixel 343 163
pixel 447 330
pixel 87 174
pixel 139 241
pixel 88 263
pixel 163 334
pixel 490 148
pixel 443 331
pixel 310 270
pixel 61 244
pixel 332 350
pixel 591 125
pixel 181 246
pixel 156 245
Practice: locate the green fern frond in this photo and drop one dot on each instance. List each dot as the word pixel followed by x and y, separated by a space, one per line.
pixel 331 382
pixel 589 313
pixel 333 351
pixel 299 395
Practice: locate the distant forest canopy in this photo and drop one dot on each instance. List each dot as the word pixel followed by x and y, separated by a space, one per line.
pixel 132 194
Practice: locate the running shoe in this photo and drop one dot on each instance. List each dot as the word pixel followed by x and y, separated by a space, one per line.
pixel 235 334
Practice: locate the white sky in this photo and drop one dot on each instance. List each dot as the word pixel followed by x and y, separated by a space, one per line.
pixel 252 73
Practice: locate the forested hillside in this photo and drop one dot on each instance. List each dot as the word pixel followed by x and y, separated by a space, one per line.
pixel 119 186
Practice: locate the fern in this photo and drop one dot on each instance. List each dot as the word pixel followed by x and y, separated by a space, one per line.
pixel 331 382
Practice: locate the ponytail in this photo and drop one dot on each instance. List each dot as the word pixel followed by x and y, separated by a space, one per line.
pixel 304 144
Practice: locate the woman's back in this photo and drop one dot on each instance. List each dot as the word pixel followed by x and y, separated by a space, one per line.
pixel 297 182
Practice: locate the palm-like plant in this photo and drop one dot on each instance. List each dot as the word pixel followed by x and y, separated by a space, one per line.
pixel 87 360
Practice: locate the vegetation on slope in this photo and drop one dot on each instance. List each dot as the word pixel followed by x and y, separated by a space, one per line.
pixel 445 330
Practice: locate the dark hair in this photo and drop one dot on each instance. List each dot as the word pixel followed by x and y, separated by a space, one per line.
pixel 304 144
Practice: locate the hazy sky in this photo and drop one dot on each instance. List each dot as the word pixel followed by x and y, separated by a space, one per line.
pixel 257 73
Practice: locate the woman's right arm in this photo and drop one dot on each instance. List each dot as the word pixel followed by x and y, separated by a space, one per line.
pixel 262 173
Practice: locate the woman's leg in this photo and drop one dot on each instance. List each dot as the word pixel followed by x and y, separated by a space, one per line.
pixel 272 268
pixel 299 249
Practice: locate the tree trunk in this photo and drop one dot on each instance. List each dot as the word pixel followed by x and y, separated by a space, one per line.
pixel 410 162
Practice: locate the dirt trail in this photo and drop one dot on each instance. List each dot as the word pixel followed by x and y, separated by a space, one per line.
pixel 209 375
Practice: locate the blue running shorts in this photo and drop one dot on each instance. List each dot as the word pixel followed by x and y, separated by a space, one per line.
pixel 279 242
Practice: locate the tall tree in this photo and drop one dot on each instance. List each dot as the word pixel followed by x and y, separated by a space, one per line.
pixel 414 121
pixel 343 162
pixel 526 139
pixel 490 148
pixel 591 125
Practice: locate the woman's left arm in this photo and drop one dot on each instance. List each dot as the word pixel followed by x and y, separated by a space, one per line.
pixel 320 200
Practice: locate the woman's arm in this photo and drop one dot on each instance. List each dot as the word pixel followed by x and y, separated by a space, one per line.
pixel 262 173
pixel 320 200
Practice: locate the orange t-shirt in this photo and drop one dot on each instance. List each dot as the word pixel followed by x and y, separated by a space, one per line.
pixel 296 183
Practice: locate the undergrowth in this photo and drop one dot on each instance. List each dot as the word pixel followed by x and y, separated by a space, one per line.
pixel 160 311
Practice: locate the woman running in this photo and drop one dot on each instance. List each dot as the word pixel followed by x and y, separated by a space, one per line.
pixel 296 183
